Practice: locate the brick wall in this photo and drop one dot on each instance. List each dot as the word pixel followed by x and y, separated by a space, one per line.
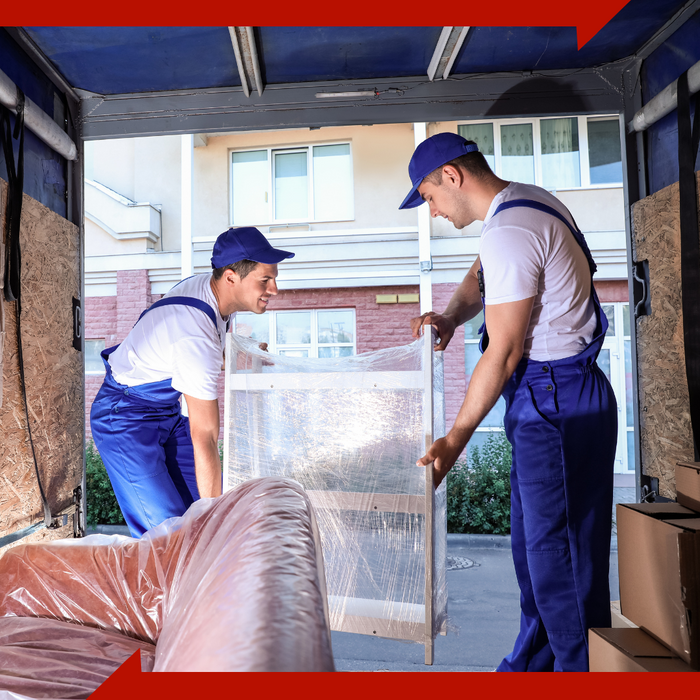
pixel 616 290
pixel 111 318
pixel 378 326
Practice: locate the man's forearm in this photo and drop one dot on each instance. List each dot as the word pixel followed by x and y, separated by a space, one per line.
pixel 207 466
pixel 487 381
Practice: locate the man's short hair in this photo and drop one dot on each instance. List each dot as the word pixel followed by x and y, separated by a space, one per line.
pixel 242 268
pixel 473 163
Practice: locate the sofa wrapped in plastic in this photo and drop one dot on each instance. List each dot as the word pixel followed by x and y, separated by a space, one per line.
pixel 350 430
pixel 236 584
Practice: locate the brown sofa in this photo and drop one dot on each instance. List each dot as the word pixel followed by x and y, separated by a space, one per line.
pixel 236 584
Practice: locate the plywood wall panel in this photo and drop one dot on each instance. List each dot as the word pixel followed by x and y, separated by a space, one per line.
pixel 53 371
pixel 665 431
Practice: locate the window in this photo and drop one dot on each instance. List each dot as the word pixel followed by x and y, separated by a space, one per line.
pixel 604 152
pixel 312 333
pixel 558 153
pixel 494 420
pixel 615 360
pixel 292 185
pixel 93 361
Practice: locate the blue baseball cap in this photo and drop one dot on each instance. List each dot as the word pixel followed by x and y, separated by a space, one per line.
pixel 429 156
pixel 245 243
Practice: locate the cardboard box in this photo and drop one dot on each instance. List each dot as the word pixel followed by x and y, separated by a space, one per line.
pixel 659 569
pixel 630 649
pixel 688 484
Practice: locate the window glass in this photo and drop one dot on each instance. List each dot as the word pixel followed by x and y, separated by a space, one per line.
pixel 291 186
pixel 293 328
pixel 604 152
pixel 337 351
pixel 609 310
pixel 628 383
pixel 478 439
pixel 249 178
pixel 335 326
pixel 294 353
pixel 482 135
pixel 93 361
pixel 495 417
pixel 604 362
pixel 333 191
pixel 630 450
pixel 471 328
pixel 626 319
pixel 517 153
pixel 256 326
pixel 561 167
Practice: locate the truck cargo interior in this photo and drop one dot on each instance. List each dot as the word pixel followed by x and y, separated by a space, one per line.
pixel 127 150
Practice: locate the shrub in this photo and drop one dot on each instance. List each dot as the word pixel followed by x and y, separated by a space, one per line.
pixel 478 491
pixel 102 506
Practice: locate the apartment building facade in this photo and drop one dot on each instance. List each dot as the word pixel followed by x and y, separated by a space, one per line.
pixel 362 269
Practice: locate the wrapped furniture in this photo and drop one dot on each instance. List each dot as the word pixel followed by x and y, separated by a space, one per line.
pixel 350 430
pixel 236 584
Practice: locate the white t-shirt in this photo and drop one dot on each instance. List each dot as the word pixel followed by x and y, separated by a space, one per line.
pixel 527 253
pixel 175 342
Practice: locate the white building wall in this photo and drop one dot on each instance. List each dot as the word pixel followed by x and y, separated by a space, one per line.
pixel 378 247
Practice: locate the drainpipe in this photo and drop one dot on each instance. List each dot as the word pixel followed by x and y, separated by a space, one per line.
pixel 420 133
pixel 186 166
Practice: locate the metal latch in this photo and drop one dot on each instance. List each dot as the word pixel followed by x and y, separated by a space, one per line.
pixel 77 325
pixel 640 287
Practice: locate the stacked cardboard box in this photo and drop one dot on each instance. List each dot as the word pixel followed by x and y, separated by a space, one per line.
pixel 659 567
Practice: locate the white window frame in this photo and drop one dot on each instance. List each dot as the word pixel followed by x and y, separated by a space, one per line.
pixel 584 162
pixel 616 345
pixel 313 347
pixel 271 219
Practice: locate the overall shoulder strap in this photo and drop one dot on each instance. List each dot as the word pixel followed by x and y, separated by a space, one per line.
pixel 183 301
pixel 539 206
pixel 602 325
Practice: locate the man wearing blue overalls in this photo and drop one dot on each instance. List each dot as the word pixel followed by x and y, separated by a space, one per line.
pixel 533 277
pixel 158 460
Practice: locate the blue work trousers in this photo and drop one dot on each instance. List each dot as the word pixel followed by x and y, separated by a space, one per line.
pixel 561 420
pixel 146 447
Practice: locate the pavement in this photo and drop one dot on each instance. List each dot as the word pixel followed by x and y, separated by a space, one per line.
pixel 483 610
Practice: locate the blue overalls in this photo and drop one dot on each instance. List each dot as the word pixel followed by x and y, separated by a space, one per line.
pixel 561 420
pixel 145 443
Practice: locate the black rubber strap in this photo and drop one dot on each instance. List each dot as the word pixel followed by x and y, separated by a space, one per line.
pixel 688 140
pixel 15 181
pixel 13 259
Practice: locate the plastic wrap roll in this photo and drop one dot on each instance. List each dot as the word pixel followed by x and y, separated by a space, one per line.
pixel 236 584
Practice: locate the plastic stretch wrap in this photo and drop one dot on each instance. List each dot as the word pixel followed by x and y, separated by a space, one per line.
pixel 236 584
pixel 350 431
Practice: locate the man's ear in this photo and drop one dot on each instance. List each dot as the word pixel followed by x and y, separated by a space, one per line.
pixel 453 175
pixel 231 276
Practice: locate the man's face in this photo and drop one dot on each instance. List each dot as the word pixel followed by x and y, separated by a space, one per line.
pixel 254 291
pixel 448 200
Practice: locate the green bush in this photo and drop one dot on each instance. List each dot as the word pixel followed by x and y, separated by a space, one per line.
pixel 102 506
pixel 478 492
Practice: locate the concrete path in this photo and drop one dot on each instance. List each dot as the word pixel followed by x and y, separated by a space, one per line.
pixel 484 613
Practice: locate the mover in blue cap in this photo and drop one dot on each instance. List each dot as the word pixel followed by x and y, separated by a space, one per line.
pixel 533 278
pixel 158 460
